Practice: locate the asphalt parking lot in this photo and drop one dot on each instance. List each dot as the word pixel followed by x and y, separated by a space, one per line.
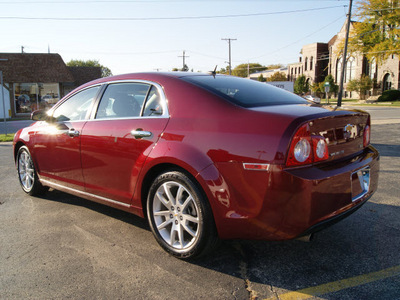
pixel 61 246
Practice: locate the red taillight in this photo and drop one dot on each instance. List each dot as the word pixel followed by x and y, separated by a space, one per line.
pixel 306 149
pixel 320 148
pixel 367 136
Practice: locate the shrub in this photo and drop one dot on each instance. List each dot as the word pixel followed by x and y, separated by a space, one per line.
pixel 389 95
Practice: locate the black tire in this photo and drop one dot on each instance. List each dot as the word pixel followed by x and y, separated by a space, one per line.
pixel 27 174
pixel 180 216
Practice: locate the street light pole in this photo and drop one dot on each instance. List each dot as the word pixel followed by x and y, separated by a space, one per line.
pixel 340 95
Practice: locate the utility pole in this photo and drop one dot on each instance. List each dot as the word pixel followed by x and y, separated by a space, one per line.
pixel 230 59
pixel 344 59
pixel 2 97
pixel 4 102
pixel 183 56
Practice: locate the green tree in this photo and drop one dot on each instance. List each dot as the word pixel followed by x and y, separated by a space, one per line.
pixel 333 87
pixel 377 32
pixel 275 66
pixel 243 70
pixel 301 85
pixel 278 76
pixel 185 68
pixel 316 88
pixel 105 72
pixel 261 78
pixel 360 86
pixel 223 71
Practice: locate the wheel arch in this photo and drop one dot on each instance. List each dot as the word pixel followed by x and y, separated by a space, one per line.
pixel 17 146
pixel 159 169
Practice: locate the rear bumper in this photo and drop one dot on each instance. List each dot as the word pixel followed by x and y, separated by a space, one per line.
pixel 333 220
pixel 285 204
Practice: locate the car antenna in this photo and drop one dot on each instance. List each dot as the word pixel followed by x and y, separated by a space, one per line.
pixel 213 73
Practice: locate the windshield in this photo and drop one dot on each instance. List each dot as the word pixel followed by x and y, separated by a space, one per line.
pixel 245 92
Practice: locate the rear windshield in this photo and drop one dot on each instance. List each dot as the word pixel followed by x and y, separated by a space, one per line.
pixel 245 92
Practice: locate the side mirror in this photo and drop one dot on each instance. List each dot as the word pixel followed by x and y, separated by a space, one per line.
pixel 41 115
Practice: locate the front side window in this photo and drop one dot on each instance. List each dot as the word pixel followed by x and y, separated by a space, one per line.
pixel 76 107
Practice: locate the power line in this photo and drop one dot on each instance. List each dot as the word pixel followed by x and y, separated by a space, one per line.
pixel 167 18
pixel 293 43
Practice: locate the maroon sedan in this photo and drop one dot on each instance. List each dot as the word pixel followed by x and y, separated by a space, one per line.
pixel 202 157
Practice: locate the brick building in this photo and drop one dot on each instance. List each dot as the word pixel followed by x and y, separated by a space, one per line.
pixel 384 75
pixel 38 80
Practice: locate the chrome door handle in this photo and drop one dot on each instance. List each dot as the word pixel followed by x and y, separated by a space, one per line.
pixel 140 133
pixel 72 132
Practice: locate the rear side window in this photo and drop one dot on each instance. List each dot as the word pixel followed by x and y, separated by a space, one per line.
pixel 153 106
pixel 245 92
pixel 122 100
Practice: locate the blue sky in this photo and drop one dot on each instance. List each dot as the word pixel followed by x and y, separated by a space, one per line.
pixel 155 33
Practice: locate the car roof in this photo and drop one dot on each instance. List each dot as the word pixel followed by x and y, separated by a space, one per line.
pixel 150 76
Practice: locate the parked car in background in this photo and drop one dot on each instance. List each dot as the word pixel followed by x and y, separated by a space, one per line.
pixel 202 156
pixel 312 98
pixel 50 99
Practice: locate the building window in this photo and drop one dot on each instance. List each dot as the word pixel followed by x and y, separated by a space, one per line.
pixel 350 69
pixel 305 64
pixel 373 69
pixel 49 94
pixel 311 63
pixel 387 82
pixel 29 97
pixel 338 69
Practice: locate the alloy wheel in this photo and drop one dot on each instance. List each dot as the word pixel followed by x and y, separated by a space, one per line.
pixel 176 215
pixel 26 171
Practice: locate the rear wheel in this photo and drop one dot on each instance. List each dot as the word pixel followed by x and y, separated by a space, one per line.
pixel 27 174
pixel 179 216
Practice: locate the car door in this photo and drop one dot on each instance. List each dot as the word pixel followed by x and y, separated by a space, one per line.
pixel 114 145
pixel 57 143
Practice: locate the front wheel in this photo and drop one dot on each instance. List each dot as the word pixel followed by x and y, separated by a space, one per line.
pixel 27 174
pixel 179 216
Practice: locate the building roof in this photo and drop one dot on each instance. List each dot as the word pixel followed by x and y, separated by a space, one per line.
pixel 332 40
pixel 84 74
pixel 34 67
pixel 283 69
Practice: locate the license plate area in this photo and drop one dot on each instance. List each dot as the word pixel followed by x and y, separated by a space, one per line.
pixel 360 183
